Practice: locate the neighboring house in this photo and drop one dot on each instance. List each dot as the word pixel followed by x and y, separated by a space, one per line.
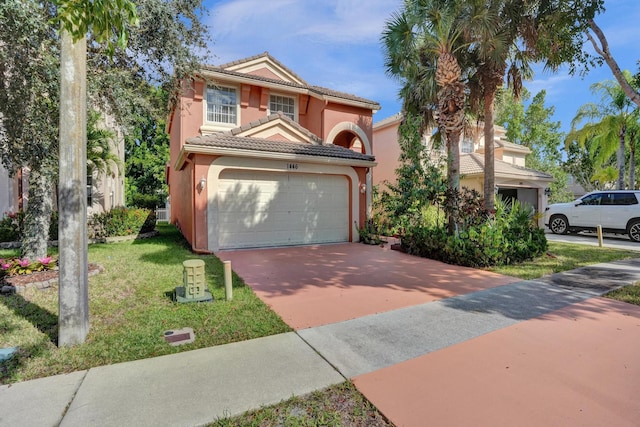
pixel 12 195
pixel 261 158
pixel 513 179
pixel 104 191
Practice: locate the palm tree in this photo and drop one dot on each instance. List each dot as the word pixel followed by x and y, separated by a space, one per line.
pixel 607 125
pixel 502 37
pixel 100 155
pixel 420 48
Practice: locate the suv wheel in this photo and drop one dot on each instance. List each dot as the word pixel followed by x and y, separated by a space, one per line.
pixel 559 225
pixel 634 231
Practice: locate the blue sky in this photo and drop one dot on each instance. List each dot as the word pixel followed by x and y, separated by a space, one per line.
pixel 336 44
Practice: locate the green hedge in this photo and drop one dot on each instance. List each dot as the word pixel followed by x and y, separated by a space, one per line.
pixel 12 224
pixel 119 221
pixel 510 236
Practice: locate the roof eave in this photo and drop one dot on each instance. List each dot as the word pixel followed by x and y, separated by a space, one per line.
pixel 234 152
pixel 213 74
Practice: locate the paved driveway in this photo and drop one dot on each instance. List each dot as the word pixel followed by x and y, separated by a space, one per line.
pixel 317 285
pixel 530 353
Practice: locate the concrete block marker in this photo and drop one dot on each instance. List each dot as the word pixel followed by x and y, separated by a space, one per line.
pixel 179 336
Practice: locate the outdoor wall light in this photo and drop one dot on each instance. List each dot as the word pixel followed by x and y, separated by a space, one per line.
pixel 203 183
pixel 363 188
pixel 547 191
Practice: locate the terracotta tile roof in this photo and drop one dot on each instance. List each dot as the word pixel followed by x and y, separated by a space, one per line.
pixel 314 89
pixel 511 146
pixel 226 140
pixel 388 120
pixel 271 117
pixel 261 55
pixel 473 164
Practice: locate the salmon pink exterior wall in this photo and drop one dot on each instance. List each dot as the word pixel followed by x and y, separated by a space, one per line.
pixel 182 201
pixel 335 114
pixel 387 152
pixel 201 165
pixel 362 178
pixel 317 112
pixel 311 119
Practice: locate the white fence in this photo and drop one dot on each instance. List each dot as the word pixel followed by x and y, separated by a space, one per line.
pixel 163 214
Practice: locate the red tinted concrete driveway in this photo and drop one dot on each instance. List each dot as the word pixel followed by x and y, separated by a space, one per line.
pixel 316 285
pixel 578 366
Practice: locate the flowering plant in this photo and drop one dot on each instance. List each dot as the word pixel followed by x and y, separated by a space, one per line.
pixel 16 266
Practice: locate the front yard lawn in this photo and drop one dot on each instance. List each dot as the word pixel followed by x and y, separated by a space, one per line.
pixel 130 308
pixel 563 257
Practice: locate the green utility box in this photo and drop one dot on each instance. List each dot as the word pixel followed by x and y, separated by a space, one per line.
pixel 195 285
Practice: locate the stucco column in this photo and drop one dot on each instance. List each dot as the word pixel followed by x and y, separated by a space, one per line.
pixel 73 322
pixel 369 182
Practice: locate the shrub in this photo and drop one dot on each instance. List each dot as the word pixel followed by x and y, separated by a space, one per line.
pixel 508 237
pixel 12 225
pixel 118 222
pixel 146 201
pixel 121 221
pixel 369 233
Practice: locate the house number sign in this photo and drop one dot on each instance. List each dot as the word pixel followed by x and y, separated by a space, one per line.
pixel 292 166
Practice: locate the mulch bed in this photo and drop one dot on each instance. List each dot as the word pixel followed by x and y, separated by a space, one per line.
pixel 40 279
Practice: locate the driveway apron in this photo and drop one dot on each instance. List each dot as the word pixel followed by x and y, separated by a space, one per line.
pixel 317 285
pixel 577 366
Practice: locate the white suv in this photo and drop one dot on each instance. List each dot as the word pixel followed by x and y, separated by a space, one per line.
pixel 616 211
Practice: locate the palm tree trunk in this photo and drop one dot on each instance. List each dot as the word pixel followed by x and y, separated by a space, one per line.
pixel 38 215
pixel 489 155
pixel 632 165
pixel 620 159
pixel 453 178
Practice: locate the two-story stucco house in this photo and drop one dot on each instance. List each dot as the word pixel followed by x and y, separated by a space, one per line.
pixel 512 178
pixel 261 158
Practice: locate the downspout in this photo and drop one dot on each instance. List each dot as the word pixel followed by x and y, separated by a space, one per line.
pixel 194 249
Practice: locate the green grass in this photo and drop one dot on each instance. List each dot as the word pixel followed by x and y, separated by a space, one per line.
pixel 340 405
pixel 130 307
pixel 563 257
pixel 629 294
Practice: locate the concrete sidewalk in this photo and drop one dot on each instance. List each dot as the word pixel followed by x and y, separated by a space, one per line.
pixel 185 389
pixel 439 348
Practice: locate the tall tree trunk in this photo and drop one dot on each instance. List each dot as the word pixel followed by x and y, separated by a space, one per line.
pixel 38 216
pixel 453 178
pixel 632 164
pixel 489 155
pixel 620 159
pixel 73 324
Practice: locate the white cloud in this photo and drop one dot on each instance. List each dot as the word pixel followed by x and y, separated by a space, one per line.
pixel 555 85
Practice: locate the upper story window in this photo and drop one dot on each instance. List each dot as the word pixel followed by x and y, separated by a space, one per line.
pixel 285 104
pixel 222 105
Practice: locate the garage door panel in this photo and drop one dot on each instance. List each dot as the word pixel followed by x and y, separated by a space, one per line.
pixel 273 209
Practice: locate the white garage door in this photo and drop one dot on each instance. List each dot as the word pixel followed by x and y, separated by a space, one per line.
pixel 257 209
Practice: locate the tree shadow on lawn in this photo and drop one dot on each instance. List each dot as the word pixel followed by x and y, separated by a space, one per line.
pixel 41 318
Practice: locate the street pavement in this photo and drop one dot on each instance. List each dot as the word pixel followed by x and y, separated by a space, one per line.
pixel 613 241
